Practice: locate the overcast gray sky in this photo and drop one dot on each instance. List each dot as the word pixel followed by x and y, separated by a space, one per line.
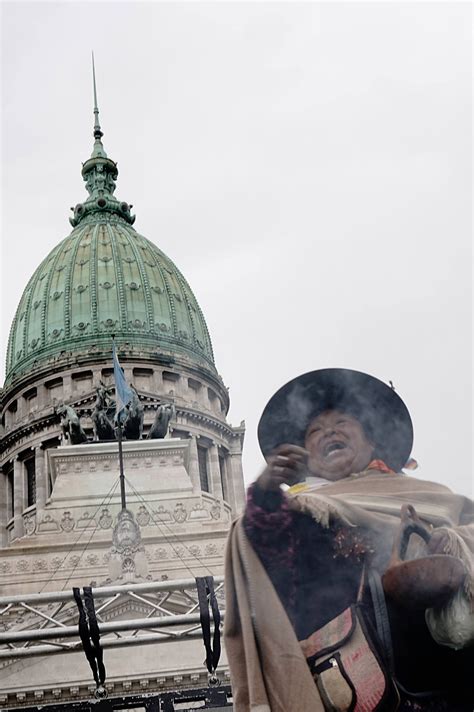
pixel 307 166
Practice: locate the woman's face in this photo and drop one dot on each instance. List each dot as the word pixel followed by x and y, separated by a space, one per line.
pixel 337 445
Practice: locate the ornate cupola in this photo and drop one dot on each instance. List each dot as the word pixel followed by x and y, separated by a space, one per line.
pixel 103 279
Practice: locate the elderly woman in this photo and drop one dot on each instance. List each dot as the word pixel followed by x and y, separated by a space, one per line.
pixel 308 625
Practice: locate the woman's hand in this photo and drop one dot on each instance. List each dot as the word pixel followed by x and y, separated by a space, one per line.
pixel 286 466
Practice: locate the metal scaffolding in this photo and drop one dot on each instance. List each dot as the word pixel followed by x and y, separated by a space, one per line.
pixel 46 623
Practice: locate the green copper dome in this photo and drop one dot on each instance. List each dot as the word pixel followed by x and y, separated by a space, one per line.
pixel 105 279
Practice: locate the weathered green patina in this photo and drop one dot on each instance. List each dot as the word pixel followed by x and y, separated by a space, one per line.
pixel 104 279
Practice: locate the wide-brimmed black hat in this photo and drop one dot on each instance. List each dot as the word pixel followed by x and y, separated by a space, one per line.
pixel 381 412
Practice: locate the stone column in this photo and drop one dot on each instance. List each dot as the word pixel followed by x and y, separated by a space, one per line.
pixel 194 465
pixel 67 386
pixel 215 472
pixel 3 509
pixel 18 501
pixel 21 408
pixel 41 475
pixel 42 396
pixel 96 376
pixel 227 489
pixel 157 382
pixel 237 479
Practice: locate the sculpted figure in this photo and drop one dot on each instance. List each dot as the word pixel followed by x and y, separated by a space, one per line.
pixel 352 588
pixel 133 417
pixel 102 414
pixel 164 413
pixel 71 425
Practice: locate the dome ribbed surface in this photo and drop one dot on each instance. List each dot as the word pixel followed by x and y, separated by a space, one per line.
pixel 105 279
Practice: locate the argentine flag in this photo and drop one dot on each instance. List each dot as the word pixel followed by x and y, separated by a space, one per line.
pixel 123 392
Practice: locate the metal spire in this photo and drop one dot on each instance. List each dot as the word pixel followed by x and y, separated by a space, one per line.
pixel 100 173
pixel 98 133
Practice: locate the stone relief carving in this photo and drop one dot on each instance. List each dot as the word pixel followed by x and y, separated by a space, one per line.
pixel 48 524
pixel 143 516
pixel 216 510
pixel 211 550
pixel 126 533
pixel 105 519
pixel 180 514
pixel 67 522
pixel 162 514
pixel 127 556
pixel 199 512
pixel 40 565
pixel 86 521
pixel 30 525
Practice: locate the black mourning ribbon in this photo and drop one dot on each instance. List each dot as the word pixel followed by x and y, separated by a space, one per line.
pixel 89 633
pixel 205 588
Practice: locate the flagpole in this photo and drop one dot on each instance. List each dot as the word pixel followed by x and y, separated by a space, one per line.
pixel 122 476
pixel 119 384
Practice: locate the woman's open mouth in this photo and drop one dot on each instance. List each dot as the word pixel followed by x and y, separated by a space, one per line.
pixel 333 447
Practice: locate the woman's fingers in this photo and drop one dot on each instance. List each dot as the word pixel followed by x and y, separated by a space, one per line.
pixel 285 466
pixel 294 451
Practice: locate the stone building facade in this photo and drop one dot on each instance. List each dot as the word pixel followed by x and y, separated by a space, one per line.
pixel 59 502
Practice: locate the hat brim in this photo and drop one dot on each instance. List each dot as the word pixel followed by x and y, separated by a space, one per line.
pixel 381 412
